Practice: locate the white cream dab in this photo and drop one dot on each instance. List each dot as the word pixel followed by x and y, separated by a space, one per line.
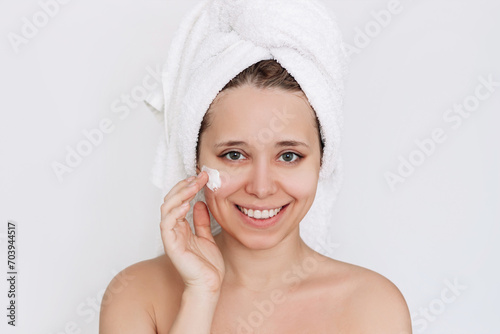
pixel 214 181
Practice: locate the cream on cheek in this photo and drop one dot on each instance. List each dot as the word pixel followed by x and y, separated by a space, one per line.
pixel 231 182
pixel 219 202
pixel 214 180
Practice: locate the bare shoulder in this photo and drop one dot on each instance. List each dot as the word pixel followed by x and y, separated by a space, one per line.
pixel 136 294
pixel 373 304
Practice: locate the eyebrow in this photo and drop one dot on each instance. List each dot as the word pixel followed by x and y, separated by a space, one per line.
pixel 278 144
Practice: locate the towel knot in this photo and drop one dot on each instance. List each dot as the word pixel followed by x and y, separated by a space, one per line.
pixel 261 22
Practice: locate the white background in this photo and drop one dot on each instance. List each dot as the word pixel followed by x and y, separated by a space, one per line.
pixel 440 224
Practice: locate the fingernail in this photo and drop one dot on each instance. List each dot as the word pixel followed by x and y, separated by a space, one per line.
pixel 191 178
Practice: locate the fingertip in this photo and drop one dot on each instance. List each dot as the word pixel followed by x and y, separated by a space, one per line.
pixel 199 206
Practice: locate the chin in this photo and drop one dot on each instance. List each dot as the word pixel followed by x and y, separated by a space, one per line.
pixel 258 238
pixel 256 241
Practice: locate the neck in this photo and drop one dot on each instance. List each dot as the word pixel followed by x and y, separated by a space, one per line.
pixel 263 269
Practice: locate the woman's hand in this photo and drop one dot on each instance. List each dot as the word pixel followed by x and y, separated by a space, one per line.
pixel 196 256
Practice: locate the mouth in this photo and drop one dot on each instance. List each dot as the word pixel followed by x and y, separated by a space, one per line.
pixel 261 219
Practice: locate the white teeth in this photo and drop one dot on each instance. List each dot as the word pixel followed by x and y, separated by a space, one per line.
pixel 264 214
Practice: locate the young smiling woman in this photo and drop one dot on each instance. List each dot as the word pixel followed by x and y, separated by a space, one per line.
pixel 257 275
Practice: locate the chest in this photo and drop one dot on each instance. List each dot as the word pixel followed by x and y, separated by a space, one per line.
pixel 277 312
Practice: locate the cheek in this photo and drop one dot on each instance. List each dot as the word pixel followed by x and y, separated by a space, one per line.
pixel 230 183
pixel 300 184
pixel 218 202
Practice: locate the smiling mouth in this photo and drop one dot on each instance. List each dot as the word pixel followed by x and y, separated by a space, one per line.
pixel 260 214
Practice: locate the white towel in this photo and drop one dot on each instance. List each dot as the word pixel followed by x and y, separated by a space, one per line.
pixel 215 42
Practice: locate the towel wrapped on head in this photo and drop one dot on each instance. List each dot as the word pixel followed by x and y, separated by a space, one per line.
pixel 215 42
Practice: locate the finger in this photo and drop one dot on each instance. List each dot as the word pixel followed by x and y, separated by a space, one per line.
pixel 178 186
pixel 198 183
pixel 171 219
pixel 185 194
pixel 202 176
pixel 201 179
pixel 201 221
pixel 177 238
pixel 172 199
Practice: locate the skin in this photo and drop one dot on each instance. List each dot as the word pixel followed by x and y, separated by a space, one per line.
pixel 268 279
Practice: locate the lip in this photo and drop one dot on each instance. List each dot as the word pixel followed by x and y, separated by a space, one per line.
pixel 262 223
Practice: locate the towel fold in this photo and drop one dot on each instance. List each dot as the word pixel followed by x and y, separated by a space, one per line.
pixel 216 41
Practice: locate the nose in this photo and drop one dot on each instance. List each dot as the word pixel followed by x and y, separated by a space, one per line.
pixel 261 182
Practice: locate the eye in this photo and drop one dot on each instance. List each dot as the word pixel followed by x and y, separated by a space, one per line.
pixel 233 155
pixel 288 157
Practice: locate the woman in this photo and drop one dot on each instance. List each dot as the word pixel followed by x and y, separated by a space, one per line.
pixel 257 275
pixel 248 279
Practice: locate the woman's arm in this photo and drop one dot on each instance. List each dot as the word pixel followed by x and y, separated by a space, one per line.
pixel 127 313
pixel 146 298
pixel 195 257
pixel 196 313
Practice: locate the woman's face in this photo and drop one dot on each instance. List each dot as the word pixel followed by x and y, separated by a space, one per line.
pixel 266 146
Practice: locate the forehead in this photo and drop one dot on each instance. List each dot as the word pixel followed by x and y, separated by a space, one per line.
pixel 271 112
